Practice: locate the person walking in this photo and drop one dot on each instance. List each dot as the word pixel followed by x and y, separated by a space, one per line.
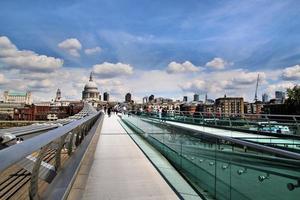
pixel 109 111
pixel 164 114
pixel 159 112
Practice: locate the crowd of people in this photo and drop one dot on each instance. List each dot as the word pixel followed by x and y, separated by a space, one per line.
pixel 161 112
pixel 109 110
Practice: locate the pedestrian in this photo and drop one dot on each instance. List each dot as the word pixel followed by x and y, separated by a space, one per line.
pixel 109 111
pixel 164 114
pixel 159 112
pixel 124 110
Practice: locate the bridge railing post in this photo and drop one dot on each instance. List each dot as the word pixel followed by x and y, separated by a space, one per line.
pixel 58 152
pixel 202 117
pixel 230 122
pixel 71 142
pixel 297 125
pixel 33 188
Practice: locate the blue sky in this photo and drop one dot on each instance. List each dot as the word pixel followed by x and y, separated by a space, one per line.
pixel 247 37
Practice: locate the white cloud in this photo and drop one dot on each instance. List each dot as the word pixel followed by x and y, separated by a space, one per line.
pixel 72 46
pixel 2 79
pixel 218 63
pixel 40 85
pixel 194 86
pixel 110 70
pixel 184 67
pixel 291 73
pixel 25 60
pixel 242 78
pixel 92 51
pixel 236 82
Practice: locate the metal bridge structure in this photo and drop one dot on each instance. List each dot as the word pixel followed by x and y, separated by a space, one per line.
pixel 139 155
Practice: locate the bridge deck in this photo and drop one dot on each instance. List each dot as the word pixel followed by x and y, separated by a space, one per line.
pixel 121 171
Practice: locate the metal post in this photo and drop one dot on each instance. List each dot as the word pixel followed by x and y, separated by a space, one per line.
pixel 269 123
pixel 214 119
pixel 70 145
pixel 33 188
pixel 201 117
pixel 297 125
pixel 230 123
pixel 77 140
pixel 58 152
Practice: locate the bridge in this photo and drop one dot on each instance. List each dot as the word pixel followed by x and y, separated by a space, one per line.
pixel 141 155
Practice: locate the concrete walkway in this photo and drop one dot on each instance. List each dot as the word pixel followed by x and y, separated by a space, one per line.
pixel 121 171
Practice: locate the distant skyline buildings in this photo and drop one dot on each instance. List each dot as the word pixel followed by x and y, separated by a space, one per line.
pixel 265 98
pixel 185 98
pixel 196 97
pixel 17 97
pixel 105 96
pixel 280 96
pixel 128 98
pixel 137 54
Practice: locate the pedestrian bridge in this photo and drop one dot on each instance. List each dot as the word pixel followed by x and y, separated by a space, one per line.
pixel 145 157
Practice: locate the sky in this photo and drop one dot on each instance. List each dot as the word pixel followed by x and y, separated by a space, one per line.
pixel 168 48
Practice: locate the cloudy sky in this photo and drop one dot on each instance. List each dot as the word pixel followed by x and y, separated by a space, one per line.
pixel 168 48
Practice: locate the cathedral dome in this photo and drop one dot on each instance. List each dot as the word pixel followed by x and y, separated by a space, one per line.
pixel 90 92
pixel 91 84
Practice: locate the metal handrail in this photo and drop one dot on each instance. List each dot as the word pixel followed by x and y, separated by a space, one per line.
pixel 15 153
pixel 249 119
pixel 237 114
pixel 287 154
pixel 215 114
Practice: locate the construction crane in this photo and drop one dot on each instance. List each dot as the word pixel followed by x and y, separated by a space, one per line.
pixel 255 97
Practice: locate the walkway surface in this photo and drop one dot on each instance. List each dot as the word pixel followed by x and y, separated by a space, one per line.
pixel 121 171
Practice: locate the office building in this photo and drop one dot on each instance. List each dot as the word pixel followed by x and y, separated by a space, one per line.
pixel 230 105
pixel 196 97
pixel 151 98
pixel 128 98
pixel 185 98
pixel 265 98
pixel 105 96
pixel 280 96
pixel 145 100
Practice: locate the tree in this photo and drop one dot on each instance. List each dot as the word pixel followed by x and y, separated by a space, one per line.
pixel 293 96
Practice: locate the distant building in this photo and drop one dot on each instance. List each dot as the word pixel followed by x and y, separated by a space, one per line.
pixel 90 92
pixel 230 105
pixel 105 96
pixel 58 95
pixel 185 98
pixel 128 98
pixel 145 100
pixel 45 111
pixel 17 97
pixel 161 100
pixel 253 108
pixel 265 98
pixel 280 96
pixel 208 101
pixel 151 98
pixel 196 97
pixel 7 110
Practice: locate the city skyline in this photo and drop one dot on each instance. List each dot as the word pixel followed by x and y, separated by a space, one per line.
pixel 169 51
